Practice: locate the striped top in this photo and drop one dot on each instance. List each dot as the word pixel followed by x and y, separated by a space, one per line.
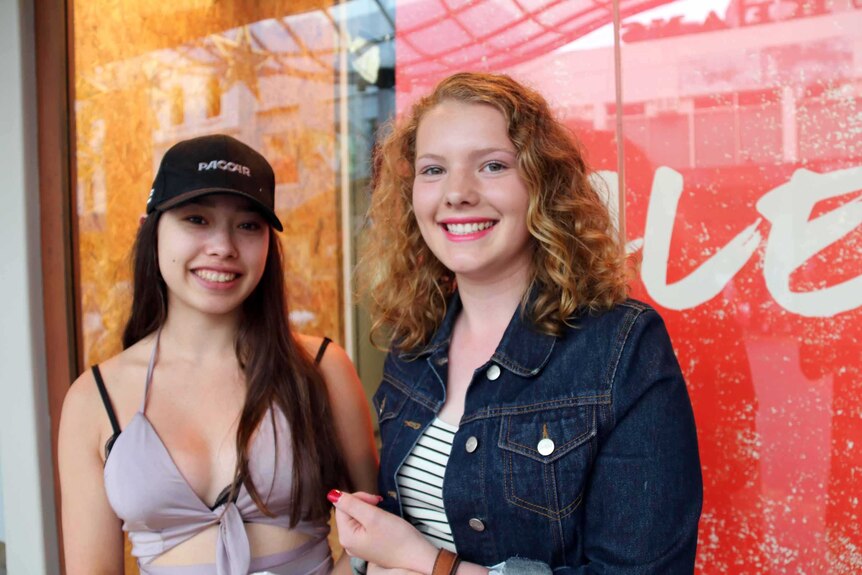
pixel 420 481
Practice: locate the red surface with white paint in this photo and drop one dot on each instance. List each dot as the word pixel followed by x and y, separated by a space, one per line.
pixel 740 125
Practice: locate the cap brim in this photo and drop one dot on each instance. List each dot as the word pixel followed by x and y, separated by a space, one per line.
pixel 192 194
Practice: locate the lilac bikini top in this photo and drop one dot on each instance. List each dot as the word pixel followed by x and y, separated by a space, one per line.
pixel 159 508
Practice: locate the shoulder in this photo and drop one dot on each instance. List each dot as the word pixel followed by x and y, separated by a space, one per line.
pixel 123 376
pixel 614 326
pixel 313 345
pixel 641 353
pixel 623 313
pixel 637 319
pixel 83 420
pixel 82 399
pixel 335 364
pixel 619 342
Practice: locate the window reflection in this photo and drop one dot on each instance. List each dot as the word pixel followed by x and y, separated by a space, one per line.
pixel 270 81
pixel 746 103
pixel 749 83
pixel 754 104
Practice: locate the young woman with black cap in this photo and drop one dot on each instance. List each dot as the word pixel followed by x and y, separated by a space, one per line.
pixel 214 435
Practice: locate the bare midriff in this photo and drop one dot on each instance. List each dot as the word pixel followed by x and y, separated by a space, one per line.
pixel 264 540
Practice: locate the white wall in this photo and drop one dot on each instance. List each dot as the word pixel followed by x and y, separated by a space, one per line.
pixel 25 450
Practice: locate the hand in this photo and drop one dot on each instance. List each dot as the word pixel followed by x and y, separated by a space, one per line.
pixel 367 498
pixel 379 536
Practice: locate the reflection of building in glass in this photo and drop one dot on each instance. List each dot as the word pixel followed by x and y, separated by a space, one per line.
pixel 306 89
pixel 251 82
pixel 718 93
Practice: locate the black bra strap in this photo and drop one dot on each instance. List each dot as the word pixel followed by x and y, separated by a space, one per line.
pixel 323 345
pixel 106 399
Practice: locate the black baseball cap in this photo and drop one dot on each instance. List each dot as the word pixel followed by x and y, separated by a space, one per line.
pixel 215 164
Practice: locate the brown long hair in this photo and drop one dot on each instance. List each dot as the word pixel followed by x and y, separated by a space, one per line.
pixel 277 371
pixel 579 264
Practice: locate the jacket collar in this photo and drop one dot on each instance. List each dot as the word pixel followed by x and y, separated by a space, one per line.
pixel 523 350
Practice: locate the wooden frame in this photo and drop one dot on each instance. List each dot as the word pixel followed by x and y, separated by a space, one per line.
pixel 56 148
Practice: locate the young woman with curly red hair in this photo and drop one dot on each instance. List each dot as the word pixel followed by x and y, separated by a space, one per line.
pixel 533 418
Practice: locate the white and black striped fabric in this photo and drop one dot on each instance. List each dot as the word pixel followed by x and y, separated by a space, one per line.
pixel 420 481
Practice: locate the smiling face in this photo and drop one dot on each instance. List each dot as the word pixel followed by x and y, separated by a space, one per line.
pixel 212 253
pixel 469 197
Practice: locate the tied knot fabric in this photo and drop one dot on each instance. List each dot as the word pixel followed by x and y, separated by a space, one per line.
pixel 233 551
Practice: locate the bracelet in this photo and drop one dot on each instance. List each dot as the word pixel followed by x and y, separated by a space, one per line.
pixel 446 563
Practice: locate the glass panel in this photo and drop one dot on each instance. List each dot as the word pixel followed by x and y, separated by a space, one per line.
pixel 741 131
pixel 369 84
pixel 266 75
pixel 749 102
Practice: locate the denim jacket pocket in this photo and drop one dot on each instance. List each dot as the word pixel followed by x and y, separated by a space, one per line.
pixel 546 454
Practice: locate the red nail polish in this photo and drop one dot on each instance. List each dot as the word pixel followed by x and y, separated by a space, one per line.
pixel 333 496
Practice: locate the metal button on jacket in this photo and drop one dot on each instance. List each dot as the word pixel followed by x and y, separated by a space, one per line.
pixel 545 446
pixel 472 444
pixel 476 525
pixel 493 372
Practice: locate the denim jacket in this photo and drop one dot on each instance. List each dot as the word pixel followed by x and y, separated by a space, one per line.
pixel 576 454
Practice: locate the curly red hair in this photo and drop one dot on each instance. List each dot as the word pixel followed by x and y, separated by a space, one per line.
pixel 578 264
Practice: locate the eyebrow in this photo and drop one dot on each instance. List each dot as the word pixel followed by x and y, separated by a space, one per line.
pixel 472 154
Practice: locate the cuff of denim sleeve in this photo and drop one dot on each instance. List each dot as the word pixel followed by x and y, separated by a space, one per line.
pixel 358 566
pixel 520 566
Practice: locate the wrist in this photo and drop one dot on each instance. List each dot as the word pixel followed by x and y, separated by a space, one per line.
pixel 425 560
pixel 446 563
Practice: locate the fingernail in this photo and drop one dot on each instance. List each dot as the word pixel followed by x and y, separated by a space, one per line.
pixel 333 496
pixel 379 499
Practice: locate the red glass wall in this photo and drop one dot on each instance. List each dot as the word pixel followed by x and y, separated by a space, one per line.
pixel 734 128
